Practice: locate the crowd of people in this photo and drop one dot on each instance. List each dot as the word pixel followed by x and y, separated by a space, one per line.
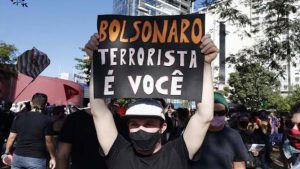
pixel 235 137
pixel 148 133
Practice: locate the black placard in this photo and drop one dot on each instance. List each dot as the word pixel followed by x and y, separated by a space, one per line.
pixel 149 57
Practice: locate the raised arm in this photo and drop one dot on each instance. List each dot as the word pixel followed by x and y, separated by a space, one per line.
pixel 103 119
pixel 196 129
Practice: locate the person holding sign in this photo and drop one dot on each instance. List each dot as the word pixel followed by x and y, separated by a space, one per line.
pixel 146 123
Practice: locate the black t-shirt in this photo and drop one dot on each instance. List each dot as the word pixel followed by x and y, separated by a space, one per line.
pixel 6 119
pixel 79 130
pixel 220 149
pixel 173 155
pixel 31 129
pixel 247 136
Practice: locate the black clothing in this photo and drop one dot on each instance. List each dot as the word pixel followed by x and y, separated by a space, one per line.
pixel 173 155
pixel 6 119
pixel 247 136
pixel 31 129
pixel 79 130
pixel 220 149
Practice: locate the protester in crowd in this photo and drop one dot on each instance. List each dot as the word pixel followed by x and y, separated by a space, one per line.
pixel 166 135
pixel 78 145
pixel 170 120
pixel 265 129
pixel 121 123
pixel 58 117
pixel 183 117
pixel 274 123
pixel 33 132
pixel 256 154
pixel 291 146
pixel 6 119
pixel 259 125
pixel 234 114
pixel 24 107
pixel 223 147
pixel 247 137
pixel 146 123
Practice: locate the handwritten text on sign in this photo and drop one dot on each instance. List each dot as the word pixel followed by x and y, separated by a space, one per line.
pixel 144 56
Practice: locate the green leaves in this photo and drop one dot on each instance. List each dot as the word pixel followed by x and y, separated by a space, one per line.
pixel 84 65
pixel 7 59
pixel 251 85
pixel 23 3
pixel 7 53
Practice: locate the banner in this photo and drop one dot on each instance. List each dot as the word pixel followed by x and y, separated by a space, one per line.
pixel 149 57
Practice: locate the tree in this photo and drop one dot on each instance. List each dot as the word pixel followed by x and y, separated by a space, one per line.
pixel 278 103
pixel 294 97
pixel 228 11
pixel 7 59
pixel 276 30
pixel 281 31
pixel 84 65
pixel 251 85
pixel 23 3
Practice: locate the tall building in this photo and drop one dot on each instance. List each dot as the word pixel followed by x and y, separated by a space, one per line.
pixel 152 7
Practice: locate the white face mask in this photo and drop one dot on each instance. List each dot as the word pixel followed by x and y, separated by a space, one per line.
pixel 218 121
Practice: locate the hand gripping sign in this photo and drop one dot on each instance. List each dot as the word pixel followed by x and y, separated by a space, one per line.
pixel 149 57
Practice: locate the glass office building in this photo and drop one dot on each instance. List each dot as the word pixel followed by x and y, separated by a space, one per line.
pixel 152 7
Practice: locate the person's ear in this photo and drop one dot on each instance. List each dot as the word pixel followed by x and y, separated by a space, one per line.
pixel 163 127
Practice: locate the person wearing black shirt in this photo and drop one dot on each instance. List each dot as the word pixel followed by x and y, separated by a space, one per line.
pixel 78 142
pixel 223 147
pixel 33 133
pixel 146 123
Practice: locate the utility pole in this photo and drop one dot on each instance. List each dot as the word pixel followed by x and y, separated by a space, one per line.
pixel 288 53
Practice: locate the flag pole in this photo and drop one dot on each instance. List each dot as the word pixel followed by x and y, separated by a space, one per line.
pixel 24 89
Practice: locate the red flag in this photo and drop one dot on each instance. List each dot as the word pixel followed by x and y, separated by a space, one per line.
pixel 70 92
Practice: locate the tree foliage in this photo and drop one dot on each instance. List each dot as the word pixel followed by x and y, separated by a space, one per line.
pixel 277 32
pixel 84 66
pixel 275 27
pixel 277 102
pixel 229 11
pixel 7 53
pixel 7 59
pixel 251 85
pixel 294 97
pixel 23 3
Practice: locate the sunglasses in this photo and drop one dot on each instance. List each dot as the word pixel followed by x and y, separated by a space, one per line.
pixel 220 113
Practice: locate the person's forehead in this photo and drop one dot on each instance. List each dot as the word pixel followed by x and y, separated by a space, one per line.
pixel 143 119
pixel 296 114
pixel 219 107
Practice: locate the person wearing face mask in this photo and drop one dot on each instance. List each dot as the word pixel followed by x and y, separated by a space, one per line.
pixel 223 147
pixel 248 137
pixel 146 123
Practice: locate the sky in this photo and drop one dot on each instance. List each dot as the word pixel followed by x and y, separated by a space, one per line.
pixel 59 28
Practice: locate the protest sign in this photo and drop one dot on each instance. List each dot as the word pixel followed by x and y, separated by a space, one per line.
pixel 149 57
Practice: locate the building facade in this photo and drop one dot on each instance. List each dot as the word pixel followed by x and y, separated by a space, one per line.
pixel 152 7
